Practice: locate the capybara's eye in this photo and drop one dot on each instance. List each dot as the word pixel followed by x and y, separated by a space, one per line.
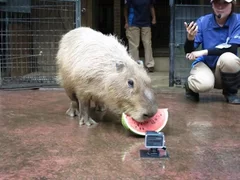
pixel 130 83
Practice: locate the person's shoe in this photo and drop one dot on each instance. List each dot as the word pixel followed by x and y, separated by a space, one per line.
pixel 232 98
pixel 231 84
pixel 190 94
pixel 150 69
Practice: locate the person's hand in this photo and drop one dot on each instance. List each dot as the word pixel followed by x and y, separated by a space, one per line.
pixel 195 54
pixel 126 25
pixel 154 21
pixel 191 29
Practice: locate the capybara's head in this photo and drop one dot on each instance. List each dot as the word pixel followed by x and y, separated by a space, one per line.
pixel 131 91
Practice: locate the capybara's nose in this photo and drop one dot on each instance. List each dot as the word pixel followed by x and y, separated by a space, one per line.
pixel 148 115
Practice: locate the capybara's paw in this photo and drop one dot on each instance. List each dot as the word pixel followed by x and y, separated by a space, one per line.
pixel 72 112
pixel 100 108
pixel 88 121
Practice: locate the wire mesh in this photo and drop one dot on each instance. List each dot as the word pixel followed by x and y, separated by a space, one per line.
pixel 185 13
pixel 29 36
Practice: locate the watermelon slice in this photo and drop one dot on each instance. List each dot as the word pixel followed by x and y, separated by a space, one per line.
pixel 156 123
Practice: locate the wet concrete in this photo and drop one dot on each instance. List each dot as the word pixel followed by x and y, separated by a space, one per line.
pixel 38 141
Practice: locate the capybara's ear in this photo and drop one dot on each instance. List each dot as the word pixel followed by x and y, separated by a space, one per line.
pixel 140 62
pixel 119 66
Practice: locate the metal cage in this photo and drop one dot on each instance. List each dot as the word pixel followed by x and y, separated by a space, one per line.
pixel 29 36
pixel 183 12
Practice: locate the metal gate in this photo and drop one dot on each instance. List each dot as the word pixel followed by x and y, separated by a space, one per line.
pixel 184 13
pixel 29 36
pixel 180 13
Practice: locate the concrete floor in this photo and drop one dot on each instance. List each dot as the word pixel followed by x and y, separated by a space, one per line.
pixel 39 142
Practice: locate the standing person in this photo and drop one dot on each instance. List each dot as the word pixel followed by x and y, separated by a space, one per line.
pixel 217 64
pixel 139 16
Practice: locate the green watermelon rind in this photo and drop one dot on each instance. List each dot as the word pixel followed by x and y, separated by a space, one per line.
pixel 124 122
pixel 128 127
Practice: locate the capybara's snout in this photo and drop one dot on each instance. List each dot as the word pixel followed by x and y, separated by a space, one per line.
pixel 150 113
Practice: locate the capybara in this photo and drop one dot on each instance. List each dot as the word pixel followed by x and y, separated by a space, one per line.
pixel 94 66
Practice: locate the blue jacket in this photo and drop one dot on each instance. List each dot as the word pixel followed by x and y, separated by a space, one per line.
pixel 139 12
pixel 210 34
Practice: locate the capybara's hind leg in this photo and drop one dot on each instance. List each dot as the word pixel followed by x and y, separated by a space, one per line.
pixel 73 109
pixel 84 109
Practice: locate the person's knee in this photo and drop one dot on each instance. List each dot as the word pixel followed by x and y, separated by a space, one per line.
pixel 200 83
pixel 229 62
pixel 146 41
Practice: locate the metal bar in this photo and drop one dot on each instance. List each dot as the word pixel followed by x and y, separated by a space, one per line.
pixel 172 42
pixel 62 0
pixel 192 5
pixel 1 47
pixel 78 13
pixel 7 42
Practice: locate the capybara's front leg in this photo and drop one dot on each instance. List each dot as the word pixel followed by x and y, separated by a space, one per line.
pixel 84 109
pixel 73 109
pixel 99 106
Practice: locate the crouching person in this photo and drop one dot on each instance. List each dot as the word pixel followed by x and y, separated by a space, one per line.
pixel 217 64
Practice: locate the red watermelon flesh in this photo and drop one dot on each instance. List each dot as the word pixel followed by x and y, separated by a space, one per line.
pixel 155 123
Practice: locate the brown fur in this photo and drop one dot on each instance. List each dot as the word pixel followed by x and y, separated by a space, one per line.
pixel 96 66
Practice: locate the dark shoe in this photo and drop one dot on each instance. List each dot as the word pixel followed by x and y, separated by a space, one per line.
pixel 150 69
pixel 232 99
pixel 190 94
pixel 231 84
